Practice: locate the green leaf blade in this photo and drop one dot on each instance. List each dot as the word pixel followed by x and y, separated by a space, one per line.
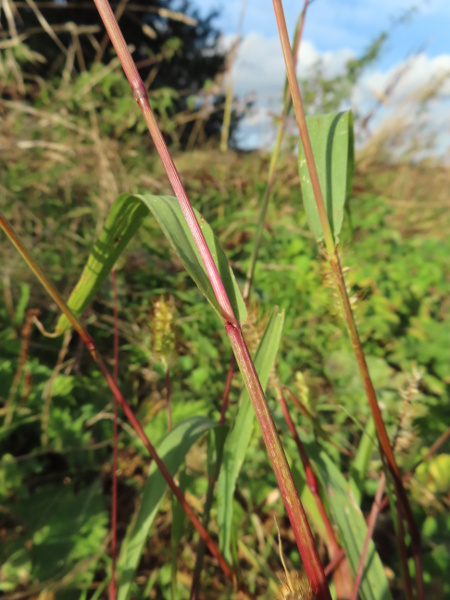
pixel 238 439
pixel 352 529
pixel 172 451
pixel 126 216
pixel 167 212
pixel 332 145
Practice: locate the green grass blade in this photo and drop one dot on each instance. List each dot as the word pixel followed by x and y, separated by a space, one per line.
pixel 361 461
pixel 172 450
pixel 124 219
pixel 239 437
pixel 167 212
pixel 352 529
pixel 332 144
pixel 126 216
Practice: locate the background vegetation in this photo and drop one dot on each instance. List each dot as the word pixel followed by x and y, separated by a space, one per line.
pixel 70 141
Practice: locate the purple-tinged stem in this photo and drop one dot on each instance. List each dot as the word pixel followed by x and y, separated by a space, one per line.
pixel 300 527
pixel 141 97
pixel 385 446
pixel 309 473
pixel 304 539
pixel 301 121
pixel 168 400
pixel 343 576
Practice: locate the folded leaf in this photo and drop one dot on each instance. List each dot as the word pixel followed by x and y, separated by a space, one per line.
pixel 126 216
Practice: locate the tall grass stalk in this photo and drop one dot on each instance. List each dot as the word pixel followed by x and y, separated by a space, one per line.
pixel 385 446
pixel 296 513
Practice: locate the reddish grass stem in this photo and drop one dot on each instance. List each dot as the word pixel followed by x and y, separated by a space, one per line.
pixel 226 392
pixel 385 446
pixel 303 536
pixel 343 578
pixel 168 399
pixel 300 527
pixel 309 473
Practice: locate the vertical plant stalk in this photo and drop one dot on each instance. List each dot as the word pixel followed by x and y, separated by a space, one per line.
pixel 370 529
pixel 112 586
pixel 25 345
pixel 343 577
pixel 300 527
pixel 403 504
pixel 309 473
pixel 385 446
pixel 91 346
pixel 274 159
pixel 302 532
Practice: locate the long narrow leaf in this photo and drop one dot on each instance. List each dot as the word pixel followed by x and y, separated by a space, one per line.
pixel 126 216
pixel 352 528
pixel 239 437
pixel 172 451
pixel 332 145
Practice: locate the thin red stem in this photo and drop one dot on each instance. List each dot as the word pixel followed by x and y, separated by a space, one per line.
pixel 299 523
pixel 309 474
pixel 301 121
pixel 292 502
pixel 385 446
pixel 168 401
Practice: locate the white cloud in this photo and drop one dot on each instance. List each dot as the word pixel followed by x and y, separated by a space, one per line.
pixel 259 71
pixel 401 92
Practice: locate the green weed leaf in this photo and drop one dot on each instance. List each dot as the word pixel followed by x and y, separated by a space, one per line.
pixel 172 450
pixel 239 437
pixel 332 144
pixel 124 219
pixel 352 528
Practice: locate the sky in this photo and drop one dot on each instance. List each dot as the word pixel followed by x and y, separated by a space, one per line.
pixel 335 31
